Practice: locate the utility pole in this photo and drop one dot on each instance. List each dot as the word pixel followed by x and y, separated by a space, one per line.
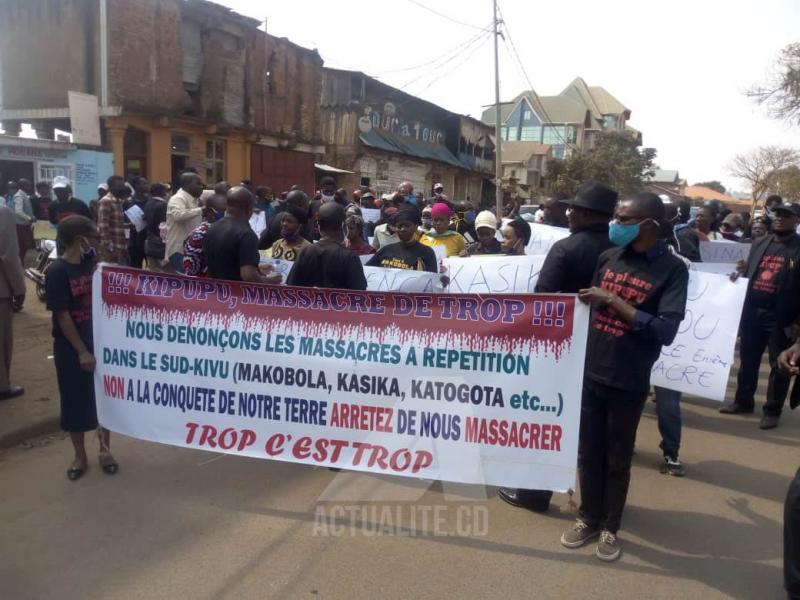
pixel 498 168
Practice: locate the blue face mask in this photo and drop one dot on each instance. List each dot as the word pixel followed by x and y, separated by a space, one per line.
pixel 622 235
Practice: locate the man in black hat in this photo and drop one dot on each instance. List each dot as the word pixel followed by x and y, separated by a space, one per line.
pixel 769 308
pixel 569 268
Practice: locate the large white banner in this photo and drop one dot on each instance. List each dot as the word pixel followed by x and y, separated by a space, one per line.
pixel 494 274
pixel 699 360
pixel 721 251
pixel 458 387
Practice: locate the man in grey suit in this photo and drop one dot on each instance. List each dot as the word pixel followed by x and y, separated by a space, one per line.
pixel 12 295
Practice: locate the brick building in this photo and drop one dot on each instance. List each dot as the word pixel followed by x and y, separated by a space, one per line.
pixel 180 82
pixel 380 136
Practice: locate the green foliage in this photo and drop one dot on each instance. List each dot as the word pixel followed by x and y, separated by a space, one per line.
pixel 616 160
pixel 713 185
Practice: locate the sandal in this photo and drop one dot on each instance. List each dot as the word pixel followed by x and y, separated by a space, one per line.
pixel 73 473
pixel 108 464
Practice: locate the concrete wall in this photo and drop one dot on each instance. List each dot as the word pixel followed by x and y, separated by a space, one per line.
pixel 47 47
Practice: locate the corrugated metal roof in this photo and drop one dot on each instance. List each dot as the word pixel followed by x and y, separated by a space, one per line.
pixel 608 104
pixel 403 145
pixel 505 109
pixel 664 176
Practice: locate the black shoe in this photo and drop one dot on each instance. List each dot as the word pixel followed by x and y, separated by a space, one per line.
pixel 735 409
pixel 535 500
pixel 672 466
pixel 13 392
pixel 768 422
pixel 510 496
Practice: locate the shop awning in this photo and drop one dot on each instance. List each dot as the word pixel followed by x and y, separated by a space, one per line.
pixel 405 145
pixel 330 169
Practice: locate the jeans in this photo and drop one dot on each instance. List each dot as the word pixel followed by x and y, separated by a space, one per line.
pixel 609 419
pixel 760 331
pixel 668 409
pixel 791 539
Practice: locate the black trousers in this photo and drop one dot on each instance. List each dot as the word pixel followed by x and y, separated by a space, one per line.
pixel 791 539
pixel 760 331
pixel 609 419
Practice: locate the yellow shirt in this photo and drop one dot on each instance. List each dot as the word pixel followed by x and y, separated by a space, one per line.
pixel 452 241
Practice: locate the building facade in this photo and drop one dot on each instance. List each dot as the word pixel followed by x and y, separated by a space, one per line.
pixel 383 136
pixel 181 83
pixel 568 122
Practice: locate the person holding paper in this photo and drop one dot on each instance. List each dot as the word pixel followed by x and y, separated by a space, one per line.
pixel 769 308
pixel 638 299
pixel 569 268
pixel 184 213
pixel 138 232
pixel 441 234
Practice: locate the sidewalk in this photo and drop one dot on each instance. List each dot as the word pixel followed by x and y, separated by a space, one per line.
pixel 37 412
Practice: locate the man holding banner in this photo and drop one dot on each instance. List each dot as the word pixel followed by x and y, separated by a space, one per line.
pixel 638 300
pixel 569 268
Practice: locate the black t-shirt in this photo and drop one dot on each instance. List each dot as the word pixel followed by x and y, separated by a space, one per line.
pixel 69 287
pixel 229 245
pixel 617 354
pixel 328 265
pixel 571 262
pixel 155 213
pixel 773 268
pixel 478 248
pixel 62 210
pixel 413 257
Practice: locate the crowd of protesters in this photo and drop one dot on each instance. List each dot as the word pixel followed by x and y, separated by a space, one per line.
pixel 646 240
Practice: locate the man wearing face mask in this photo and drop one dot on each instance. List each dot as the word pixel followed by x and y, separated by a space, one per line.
pixel 769 308
pixel 638 299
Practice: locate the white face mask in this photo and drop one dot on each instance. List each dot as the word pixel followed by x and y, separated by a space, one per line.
pixel 327 198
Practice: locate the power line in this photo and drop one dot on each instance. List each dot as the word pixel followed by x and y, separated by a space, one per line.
pixel 513 48
pixel 442 15
pixel 441 56
pixel 451 56
pixel 466 56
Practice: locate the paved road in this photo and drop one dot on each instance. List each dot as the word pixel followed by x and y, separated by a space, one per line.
pixel 178 523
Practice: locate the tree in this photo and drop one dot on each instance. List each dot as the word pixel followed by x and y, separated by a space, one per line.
pixel 759 168
pixel 786 183
pixel 713 185
pixel 615 160
pixel 781 92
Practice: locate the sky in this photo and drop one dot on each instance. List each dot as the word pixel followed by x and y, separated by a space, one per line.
pixel 680 66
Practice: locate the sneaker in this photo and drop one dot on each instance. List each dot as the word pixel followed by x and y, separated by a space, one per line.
pixel 673 466
pixel 578 535
pixel 608 548
pixel 768 422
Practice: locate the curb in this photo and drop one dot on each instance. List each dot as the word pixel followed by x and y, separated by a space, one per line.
pixel 39 428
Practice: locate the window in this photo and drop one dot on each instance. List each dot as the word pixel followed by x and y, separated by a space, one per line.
pixel 365 181
pixel 215 161
pixel 558 151
pixel 530 134
pixel 181 144
pixel 554 135
pixel 527 115
pixel 48 171
pixel 610 121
